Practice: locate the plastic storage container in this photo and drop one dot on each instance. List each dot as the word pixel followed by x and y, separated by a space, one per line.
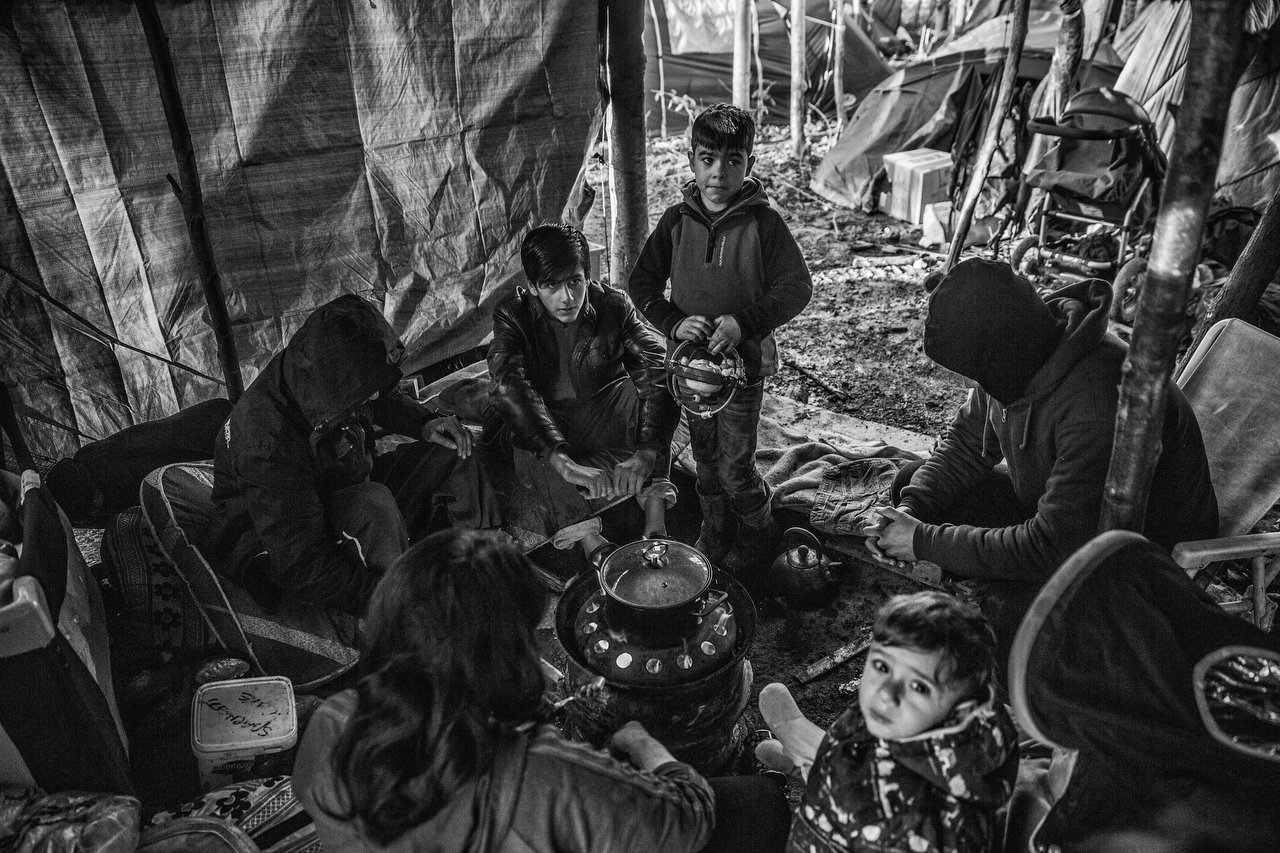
pixel 234 721
pixel 920 177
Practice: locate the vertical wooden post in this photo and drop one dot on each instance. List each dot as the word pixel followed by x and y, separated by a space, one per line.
pixel 662 70
pixel 837 59
pixel 1254 270
pixel 190 197
pixel 742 54
pixel 1004 97
pixel 1212 69
pixel 959 8
pixel 626 136
pixel 10 428
pixel 1067 52
pixel 799 78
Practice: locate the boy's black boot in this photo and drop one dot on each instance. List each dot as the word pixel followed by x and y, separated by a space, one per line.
pixel 719 527
pixel 753 551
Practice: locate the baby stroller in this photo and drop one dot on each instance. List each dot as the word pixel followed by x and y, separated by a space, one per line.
pixel 1101 184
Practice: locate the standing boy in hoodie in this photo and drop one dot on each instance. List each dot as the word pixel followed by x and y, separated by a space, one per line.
pixel 1047 377
pixel 736 274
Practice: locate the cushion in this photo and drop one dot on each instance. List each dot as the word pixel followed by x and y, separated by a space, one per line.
pixel 264 810
pixel 307 643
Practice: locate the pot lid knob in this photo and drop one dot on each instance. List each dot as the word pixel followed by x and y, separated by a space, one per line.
pixel 804 557
pixel 656 555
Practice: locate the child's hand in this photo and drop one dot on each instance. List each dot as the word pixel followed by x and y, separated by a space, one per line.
pixel 693 328
pixel 728 333
pixel 798 738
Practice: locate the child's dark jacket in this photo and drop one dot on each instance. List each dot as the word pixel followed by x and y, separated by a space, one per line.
pixel 742 262
pixel 937 792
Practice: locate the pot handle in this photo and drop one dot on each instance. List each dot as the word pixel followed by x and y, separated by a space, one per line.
pixel 714 599
pixel 813 540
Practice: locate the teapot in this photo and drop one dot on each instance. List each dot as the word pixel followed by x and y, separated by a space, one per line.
pixel 804 575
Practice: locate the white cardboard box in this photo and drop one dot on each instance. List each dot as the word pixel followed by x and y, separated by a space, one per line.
pixel 919 177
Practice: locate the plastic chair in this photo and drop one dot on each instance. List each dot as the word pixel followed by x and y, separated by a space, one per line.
pixel 59 725
pixel 1230 382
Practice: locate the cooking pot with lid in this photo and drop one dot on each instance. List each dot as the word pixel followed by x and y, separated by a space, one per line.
pixel 658 587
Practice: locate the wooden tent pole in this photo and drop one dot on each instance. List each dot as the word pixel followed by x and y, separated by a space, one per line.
pixel 799 78
pixel 742 54
pixel 1067 52
pixel 190 197
pixel 1212 70
pixel 837 60
pixel 982 164
pixel 627 136
pixel 1254 270
pixel 662 70
pixel 11 429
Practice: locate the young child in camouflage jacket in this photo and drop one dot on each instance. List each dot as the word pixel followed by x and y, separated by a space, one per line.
pixel 926 758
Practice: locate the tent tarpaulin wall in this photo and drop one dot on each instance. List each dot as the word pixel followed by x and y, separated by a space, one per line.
pixel 1155 50
pixel 397 150
pixel 707 77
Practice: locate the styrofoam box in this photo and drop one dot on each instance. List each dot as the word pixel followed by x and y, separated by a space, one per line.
pixel 920 177
pixel 233 721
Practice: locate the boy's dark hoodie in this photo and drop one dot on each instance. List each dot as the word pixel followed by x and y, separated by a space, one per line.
pixel 1049 376
pixel 743 261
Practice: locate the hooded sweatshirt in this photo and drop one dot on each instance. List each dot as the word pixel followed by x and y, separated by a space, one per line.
pixel 937 792
pixel 742 261
pixel 1048 375
pixel 299 433
pixel 542 793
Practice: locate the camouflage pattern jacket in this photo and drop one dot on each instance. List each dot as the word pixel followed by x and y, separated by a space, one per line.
pixel 937 792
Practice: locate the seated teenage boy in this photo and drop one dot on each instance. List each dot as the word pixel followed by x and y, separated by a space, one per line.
pixel 578 377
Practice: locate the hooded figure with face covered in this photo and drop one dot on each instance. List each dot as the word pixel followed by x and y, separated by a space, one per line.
pixel 305 509
pixel 1045 377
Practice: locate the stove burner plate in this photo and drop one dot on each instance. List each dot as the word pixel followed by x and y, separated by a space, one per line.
pixel 629 657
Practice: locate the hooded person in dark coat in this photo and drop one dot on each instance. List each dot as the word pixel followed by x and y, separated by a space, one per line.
pixel 1046 376
pixel 298 510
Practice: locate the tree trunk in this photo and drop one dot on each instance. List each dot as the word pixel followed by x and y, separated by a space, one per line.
pixel 1212 70
pixel 1008 79
pixel 662 69
pixel 742 54
pixel 190 196
pixel 799 78
pixel 626 136
pixel 837 60
pixel 1128 11
pixel 1067 52
pixel 1255 269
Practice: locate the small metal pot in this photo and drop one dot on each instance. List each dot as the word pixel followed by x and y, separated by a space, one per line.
pixel 658 587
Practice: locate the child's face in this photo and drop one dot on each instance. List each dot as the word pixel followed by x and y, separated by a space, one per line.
pixel 563 293
pixel 719 174
pixel 902 693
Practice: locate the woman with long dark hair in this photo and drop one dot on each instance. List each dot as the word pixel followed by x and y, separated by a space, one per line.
pixel 440 745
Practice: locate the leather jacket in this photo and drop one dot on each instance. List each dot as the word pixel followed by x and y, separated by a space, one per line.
pixel 613 344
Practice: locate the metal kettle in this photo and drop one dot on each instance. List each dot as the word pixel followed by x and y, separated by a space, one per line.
pixel 803 575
